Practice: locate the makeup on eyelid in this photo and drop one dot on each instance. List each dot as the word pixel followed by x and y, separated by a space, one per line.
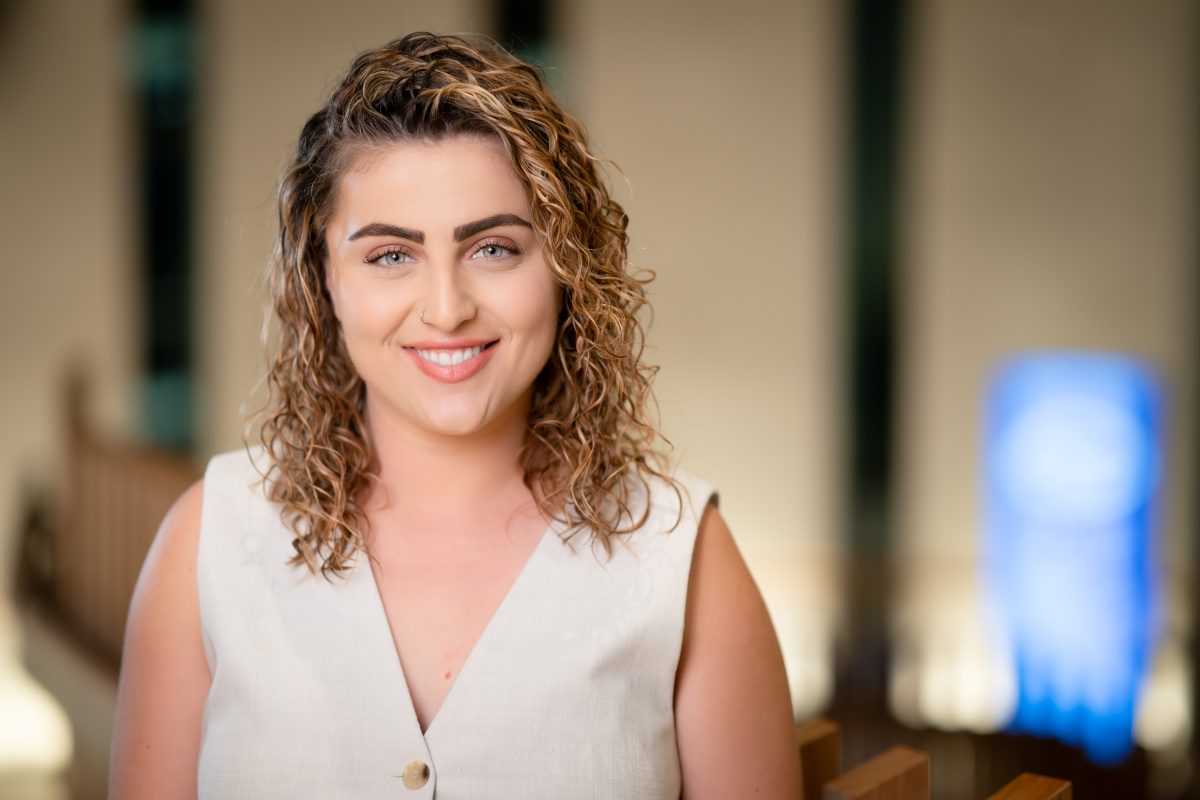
pixel 405 256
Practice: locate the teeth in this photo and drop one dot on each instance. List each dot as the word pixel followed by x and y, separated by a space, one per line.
pixel 448 358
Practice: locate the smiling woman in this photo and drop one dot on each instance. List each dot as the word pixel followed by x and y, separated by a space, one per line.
pixel 454 280
pixel 454 565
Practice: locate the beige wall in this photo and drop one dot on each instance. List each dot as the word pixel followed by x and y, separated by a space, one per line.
pixel 1051 203
pixel 67 288
pixel 725 119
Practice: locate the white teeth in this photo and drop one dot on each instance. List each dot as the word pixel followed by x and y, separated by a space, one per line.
pixel 447 358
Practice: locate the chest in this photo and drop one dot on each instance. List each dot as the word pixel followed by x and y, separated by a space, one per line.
pixel 309 677
pixel 438 609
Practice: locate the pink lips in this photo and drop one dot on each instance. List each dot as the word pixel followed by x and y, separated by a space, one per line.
pixel 451 373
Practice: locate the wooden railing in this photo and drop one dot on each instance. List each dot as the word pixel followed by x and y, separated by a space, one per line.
pixel 899 773
pixel 111 500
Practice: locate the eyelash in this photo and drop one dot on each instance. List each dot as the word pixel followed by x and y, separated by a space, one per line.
pixel 502 244
pixel 377 257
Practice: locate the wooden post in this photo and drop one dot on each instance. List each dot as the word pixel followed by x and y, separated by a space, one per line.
pixel 819 743
pixel 900 773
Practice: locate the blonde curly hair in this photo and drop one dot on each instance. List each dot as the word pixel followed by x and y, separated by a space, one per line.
pixel 589 451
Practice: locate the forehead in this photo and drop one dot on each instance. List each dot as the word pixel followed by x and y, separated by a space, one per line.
pixel 429 185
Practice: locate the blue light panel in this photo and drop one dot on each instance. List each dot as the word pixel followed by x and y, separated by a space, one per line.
pixel 1072 468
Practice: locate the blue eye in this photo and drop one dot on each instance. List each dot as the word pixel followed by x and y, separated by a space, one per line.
pixel 390 258
pixel 489 250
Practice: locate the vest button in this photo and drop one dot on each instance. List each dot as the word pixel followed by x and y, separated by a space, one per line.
pixel 416 774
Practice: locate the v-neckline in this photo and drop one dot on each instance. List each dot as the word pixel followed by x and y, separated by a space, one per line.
pixel 548 534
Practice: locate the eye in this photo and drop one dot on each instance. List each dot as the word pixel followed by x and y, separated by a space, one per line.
pixel 389 257
pixel 495 249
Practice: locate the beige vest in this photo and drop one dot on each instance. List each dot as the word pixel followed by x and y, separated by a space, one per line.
pixel 567 694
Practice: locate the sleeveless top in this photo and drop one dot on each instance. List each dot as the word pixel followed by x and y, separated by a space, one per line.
pixel 568 693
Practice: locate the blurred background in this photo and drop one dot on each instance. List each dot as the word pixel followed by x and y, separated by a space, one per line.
pixel 925 312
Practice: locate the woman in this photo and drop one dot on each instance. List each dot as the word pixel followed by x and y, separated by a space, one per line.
pixel 455 566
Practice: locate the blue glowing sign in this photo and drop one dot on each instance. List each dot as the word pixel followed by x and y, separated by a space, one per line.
pixel 1071 474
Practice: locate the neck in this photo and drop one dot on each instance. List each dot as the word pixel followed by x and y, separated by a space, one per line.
pixel 434 479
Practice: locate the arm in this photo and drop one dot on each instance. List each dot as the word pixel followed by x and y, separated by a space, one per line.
pixel 733 712
pixel 164 674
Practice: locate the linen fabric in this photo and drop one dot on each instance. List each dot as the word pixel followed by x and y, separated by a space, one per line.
pixel 567 695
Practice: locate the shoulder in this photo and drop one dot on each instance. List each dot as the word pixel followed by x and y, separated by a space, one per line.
pixel 164 673
pixel 680 496
pixel 234 486
pixel 247 464
pixel 166 597
pixel 174 547
pixel 665 509
pixel 731 694
pixel 166 586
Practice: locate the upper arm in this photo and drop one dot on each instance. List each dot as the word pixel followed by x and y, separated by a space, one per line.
pixel 733 712
pixel 164 673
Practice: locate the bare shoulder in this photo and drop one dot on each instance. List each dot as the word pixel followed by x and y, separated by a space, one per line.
pixel 732 704
pixel 168 573
pixel 179 533
pixel 164 673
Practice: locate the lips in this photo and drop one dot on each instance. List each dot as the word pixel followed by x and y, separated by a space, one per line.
pixel 451 363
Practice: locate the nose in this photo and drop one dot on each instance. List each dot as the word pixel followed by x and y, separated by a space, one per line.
pixel 449 302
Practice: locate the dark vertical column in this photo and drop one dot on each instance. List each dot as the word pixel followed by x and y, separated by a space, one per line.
pixel 524 27
pixel 162 56
pixel 874 104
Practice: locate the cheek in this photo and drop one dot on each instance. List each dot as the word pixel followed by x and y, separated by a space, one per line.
pixel 538 306
pixel 368 310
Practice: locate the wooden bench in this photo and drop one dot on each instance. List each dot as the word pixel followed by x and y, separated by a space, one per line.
pixel 900 773
pixel 1034 787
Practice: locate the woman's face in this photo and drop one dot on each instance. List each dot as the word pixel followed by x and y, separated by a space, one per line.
pixel 447 306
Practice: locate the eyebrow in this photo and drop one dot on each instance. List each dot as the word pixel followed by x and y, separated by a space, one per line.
pixel 460 233
pixel 494 221
pixel 383 229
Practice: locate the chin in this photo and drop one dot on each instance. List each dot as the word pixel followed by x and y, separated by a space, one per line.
pixel 456 428
pixel 458 422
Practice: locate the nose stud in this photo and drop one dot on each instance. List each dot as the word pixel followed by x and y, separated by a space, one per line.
pixel 421 317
